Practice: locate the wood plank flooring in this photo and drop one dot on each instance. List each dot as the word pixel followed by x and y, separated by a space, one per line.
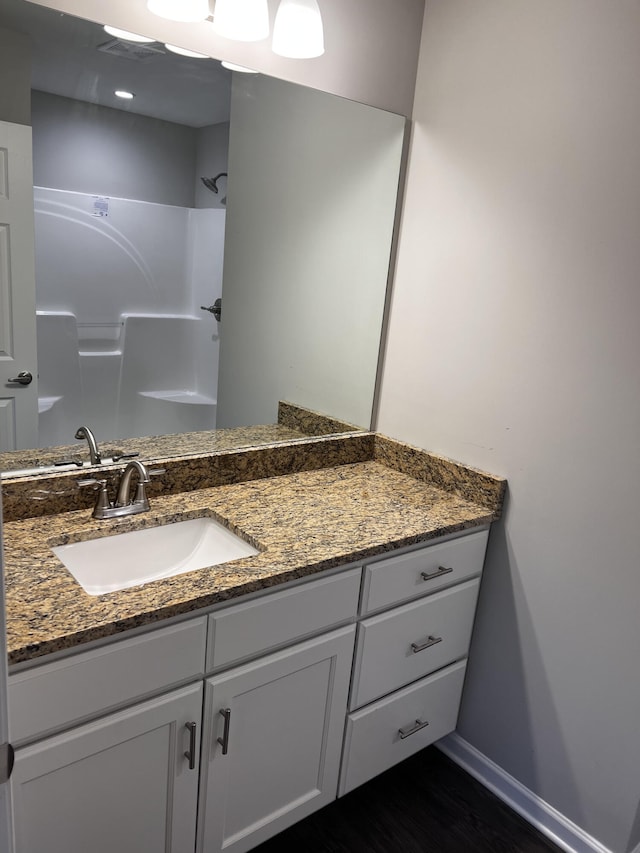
pixel 427 804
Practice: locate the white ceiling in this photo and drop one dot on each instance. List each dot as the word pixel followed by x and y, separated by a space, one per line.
pixel 66 61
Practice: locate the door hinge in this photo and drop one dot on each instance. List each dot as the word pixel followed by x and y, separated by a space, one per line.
pixel 7 757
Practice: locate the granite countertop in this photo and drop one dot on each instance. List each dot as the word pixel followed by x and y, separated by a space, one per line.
pixel 294 423
pixel 302 523
pixel 183 444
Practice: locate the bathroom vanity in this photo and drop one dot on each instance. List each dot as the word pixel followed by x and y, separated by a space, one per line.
pixel 211 710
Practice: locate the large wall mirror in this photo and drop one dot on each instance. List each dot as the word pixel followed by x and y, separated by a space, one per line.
pixel 207 185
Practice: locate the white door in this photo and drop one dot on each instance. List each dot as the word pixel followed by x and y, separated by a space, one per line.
pixel 5 815
pixel 18 402
pixel 272 739
pixel 127 783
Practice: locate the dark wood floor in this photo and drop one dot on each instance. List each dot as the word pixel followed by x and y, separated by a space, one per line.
pixel 425 805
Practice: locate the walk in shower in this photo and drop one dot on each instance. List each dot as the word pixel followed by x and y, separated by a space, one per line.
pixel 122 340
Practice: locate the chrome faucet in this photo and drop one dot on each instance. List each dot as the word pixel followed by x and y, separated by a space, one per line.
pixel 94 453
pixel 123 504
pixel 123 498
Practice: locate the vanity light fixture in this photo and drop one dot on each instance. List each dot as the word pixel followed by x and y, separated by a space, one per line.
pixel 241 20
pixel 125 35
pixel 298 32
pixel 231 66
pixel 187 11
pixel 122 93
pixel 182 51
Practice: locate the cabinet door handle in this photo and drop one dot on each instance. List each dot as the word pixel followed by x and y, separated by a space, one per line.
pixel 420 647
pixel 441 570
pixel 191 754
pixel 224 740
pixel 420 724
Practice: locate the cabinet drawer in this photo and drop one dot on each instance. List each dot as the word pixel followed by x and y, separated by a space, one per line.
pixel 52 696
pixel 404 644
pixel 393 728
pixel 417 573
pixel 248 630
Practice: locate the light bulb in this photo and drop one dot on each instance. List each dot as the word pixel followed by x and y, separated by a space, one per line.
pixel 182 51
pixel 231 66
pixel 188 11
pixel 125 35
pixel 298 32
pixel 124 94
pixel 241 20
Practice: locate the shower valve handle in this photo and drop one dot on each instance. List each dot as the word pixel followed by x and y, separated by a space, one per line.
pixel 215 309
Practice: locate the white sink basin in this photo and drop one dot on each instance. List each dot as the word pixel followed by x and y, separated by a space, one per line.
pixel 130 559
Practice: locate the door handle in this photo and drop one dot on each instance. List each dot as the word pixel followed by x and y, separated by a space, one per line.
pixel 191 754
pixel 224 740
pixel 420 647
pixel 23 378
pixel 7 757
pixel 420 724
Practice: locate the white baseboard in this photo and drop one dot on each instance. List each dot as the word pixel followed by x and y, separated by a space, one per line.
pixel 547 820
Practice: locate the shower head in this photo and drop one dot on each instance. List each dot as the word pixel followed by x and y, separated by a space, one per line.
pixel 212 183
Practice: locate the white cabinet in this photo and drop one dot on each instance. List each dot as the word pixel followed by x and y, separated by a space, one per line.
pixel 55 696
pixel 272 742
pixel 122 783
pixel 406 643
pixel 108 740
pixel 392 729
pixel 410 660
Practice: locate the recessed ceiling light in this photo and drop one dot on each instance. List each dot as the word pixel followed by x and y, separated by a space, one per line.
pixel 182 51
pixel 243 69
pixel 127 36
pixel 122 93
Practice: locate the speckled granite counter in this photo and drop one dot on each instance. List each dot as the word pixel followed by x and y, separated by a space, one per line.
pixel 302 523
pixel 294 422
pixel 183 444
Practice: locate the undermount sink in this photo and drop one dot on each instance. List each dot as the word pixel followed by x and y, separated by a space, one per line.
pixel 131 559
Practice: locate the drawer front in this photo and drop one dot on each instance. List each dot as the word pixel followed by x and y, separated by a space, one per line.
pixel 55 695
pixel 409 642
pixel 421 572
pixel 394 728
pixel 247 630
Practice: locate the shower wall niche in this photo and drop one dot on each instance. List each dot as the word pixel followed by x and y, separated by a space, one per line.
pixel 129 245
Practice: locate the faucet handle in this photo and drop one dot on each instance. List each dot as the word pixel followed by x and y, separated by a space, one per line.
pixel 91 481
pixel 100 486
pixel 157 472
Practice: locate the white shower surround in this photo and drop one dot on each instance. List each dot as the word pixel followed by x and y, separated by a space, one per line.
pixel 152 262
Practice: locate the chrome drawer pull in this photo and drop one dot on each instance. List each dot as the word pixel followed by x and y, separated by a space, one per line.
pixel 441 570
pixel 191 754
pixel 420 724
pixel 224 740
pixel 420 647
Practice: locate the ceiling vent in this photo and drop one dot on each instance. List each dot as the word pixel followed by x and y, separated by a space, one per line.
pixel 131 50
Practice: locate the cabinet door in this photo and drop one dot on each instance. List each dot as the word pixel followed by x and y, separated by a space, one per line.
pixel 122 783
pixel 273 735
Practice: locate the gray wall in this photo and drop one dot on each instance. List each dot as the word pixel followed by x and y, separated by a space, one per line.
pixel 212 156
pixel 514 345
pixel 15 66
pixel 312 193
pixel 371 45
pixel 91 149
